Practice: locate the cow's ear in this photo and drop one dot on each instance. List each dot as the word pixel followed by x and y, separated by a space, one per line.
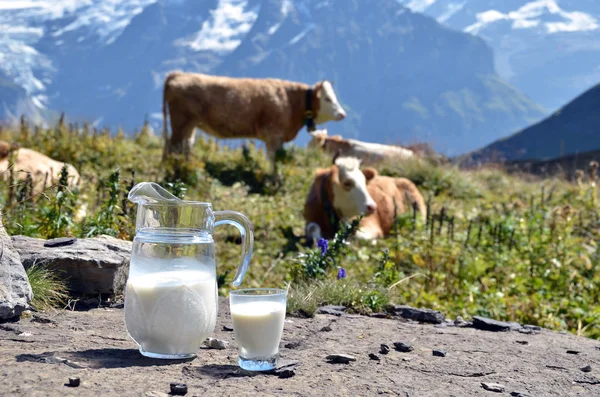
pixel 369 173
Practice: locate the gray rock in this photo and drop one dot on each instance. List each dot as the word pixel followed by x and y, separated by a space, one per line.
pixel 587 368
pixel 332 310
pixel 15 291
pixel 403 347
pixel 519 394
pixel 374 356
pixel 420 315
pixel 573 351
pixel 488 324
pixel 214 343
pixel 286 368
pixel 495 387
pixel 91 265
pixel 326 328
pixel 340 358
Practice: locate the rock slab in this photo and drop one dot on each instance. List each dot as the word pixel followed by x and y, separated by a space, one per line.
pixel 95 265
pixel 420 315
pixel 15 291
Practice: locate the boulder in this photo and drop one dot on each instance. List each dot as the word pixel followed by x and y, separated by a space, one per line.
pixel 95 265
pixel 15 291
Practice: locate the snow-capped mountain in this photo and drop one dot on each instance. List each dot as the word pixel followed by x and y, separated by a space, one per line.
pixel 402 77
pixel 549 49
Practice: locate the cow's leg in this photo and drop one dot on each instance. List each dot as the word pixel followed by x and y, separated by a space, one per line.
pixel 182 128
pixel 273 146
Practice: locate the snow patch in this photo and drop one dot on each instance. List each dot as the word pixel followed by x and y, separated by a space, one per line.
pixel 224 30
pixel 451 9
pixel 420 5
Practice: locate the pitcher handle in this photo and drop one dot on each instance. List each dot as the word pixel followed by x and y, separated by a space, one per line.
pixel 241 222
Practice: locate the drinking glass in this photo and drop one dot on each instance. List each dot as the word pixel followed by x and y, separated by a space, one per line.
pixel 258 315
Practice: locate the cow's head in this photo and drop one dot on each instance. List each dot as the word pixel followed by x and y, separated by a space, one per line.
pixel 318 138
pixel 329 107
pixel 349 185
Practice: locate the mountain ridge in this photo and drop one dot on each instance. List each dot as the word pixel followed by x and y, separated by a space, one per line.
pixel 425 82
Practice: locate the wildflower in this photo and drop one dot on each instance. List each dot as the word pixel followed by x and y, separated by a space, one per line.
pixel 341 273
pixel 323 244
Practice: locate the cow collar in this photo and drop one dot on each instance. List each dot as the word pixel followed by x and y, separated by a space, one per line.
pixel 309 116
pixel 330 212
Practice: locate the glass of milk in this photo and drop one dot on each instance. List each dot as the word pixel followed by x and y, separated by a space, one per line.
pixel 171 291
pixel 258 315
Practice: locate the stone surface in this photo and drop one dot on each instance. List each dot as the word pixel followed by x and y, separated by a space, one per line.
pixel 488 324
pixel 340 358
pixel 92 265
pixel 96 341
pixel 15 291
pixel 420 315
pixel 495 387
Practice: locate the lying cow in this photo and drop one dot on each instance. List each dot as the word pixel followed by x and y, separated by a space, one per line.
pixel 368 153
pixel 271 110
pixel 42 168
pixel 344 191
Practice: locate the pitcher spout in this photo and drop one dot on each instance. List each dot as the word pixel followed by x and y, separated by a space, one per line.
pixel 150 192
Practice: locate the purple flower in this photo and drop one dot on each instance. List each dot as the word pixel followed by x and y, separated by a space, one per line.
pixel 341 273
pixel 323 244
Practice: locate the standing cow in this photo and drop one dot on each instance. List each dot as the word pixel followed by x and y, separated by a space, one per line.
pixel 271 110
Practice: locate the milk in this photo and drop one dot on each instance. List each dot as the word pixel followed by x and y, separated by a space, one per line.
pixel 258 327
pixel 171 312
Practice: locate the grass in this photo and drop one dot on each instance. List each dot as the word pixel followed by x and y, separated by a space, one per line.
pixel 49 289
pixel 510 247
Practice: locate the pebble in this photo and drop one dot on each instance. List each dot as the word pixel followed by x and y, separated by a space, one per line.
pixel 326 328
pixel 286 369
pixel 522 342
pixel 340 358
pixel 292 345
pixel 374 356
pixel 227 328
pixel 439 353
pixel 587 368
pixel 519 394
pixel 403 347
pixel 572 352
pixel 214 343
pixel 495 387
pixel 179 389
pixel 407 359
pixel 488 324
pixel 384 349
pixel 74 381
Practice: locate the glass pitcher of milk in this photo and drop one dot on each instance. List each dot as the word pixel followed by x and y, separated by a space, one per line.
pixel 171 292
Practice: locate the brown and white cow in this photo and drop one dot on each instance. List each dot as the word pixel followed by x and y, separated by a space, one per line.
pixel 42 168
pixel 344 191
pixel 369 153
pixel 271 110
